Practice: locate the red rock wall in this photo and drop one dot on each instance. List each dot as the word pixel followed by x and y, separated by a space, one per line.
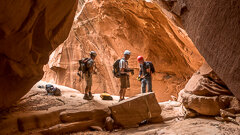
pixel 29 31
pixel 214 27
pixel 111 26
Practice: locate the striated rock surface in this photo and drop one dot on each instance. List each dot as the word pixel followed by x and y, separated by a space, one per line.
pixel 29 31
pixel 214 27
pixel 205 93
pixel 131 112
pixel 111 26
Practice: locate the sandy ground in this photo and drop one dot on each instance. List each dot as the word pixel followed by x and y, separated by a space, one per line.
pixel 175 124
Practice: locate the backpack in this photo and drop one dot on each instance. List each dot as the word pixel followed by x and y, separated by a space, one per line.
pixel 83 65
pixel 116 69
pixel 51 90
pixel 152 69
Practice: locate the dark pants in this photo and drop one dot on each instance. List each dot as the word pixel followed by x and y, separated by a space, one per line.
pixel 148 82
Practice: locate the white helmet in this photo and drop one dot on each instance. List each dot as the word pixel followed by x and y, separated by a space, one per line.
pixel 127 52
pixel 93 53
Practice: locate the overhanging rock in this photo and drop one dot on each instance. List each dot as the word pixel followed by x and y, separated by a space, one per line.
pixel 132 111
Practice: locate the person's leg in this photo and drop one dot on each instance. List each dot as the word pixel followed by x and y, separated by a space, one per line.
pixel 120 93
pixel 123 94
pixel 124 91
pixel 86 96
pixel 143 85
pixel 123 87
pixel 127 86
pixel 86 93
pixel 149 84
pixel 90 87
pixel 86 90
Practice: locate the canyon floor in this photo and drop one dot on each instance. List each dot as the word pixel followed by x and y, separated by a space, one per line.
pixel 36 101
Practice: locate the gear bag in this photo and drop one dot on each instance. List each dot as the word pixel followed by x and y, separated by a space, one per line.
pixel 51 90
pixel 106 96
pixel 83 65
pixel 151 66
pixel 116 69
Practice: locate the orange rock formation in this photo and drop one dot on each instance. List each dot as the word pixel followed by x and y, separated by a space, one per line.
pixel 111 26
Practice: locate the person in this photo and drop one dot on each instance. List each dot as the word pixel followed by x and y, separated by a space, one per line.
pixel 90 64
pixel 124 74
pixel 145 72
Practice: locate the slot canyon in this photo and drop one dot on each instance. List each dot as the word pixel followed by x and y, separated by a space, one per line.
pixel 193 45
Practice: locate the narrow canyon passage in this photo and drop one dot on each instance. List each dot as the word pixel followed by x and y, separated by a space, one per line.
pixel 193 45
pixel 109 28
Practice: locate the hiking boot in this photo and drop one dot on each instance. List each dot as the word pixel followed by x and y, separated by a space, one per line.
pixel 90 95
pixel 86 97
pixel 120 100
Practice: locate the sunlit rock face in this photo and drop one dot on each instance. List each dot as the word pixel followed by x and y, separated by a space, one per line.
pixel 111 26
pixel 29 31
pixel 214 28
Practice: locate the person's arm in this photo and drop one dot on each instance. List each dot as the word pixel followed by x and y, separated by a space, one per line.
pixel 94 68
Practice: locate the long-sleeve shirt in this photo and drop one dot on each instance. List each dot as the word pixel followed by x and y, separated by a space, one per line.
pixel 143 69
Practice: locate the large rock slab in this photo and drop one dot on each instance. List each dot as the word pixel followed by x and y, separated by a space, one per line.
pixel 95 114
pixel 23 122
pixel 38 120
pixel 213 25
pixel 29 31
pixel 69 127
pixel 132 111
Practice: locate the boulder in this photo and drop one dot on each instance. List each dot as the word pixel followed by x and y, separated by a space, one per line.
pixel 109 124
pixel 38 120
pixel 69 127
pixel 205 92
pixel 75 120
pixel 98 115
pixel 201 104
pixel 206 83
pixel 235 103
pixel 134 110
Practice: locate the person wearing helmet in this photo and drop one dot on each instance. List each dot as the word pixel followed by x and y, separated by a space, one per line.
pixel 124 74
pixel 145 72
pixel 90 64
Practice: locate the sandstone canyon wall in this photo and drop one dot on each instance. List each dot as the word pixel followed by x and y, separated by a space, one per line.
pixel 111 26
pixel 29 31
pixel 214 27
